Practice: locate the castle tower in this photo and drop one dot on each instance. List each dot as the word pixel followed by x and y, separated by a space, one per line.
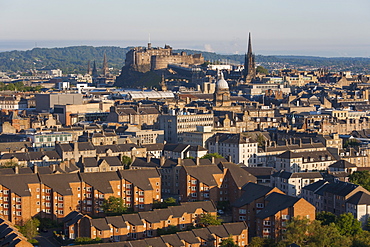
pixel 163 84
pixel 221 97
pixel 94 72
pixel 249 64
pixel 105 66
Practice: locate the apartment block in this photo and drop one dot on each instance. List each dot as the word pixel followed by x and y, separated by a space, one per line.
pixel 54 196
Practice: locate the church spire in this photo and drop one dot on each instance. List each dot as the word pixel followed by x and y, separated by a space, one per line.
pixel 94 70
pixel 249 64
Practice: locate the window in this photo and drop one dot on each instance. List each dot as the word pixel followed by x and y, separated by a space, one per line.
pixel 242 218
pixel 267 223
pixel 285 217
pixel 266 230
pixel 259 205
pixel 242 211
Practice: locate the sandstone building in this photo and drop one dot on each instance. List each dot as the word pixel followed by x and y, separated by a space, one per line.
pixel 144 59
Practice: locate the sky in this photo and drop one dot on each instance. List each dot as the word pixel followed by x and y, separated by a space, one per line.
pixel 328 28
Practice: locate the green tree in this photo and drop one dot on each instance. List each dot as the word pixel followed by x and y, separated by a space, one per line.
pixel 30 228
pixel 297 231
pixel 262 70
pixel 326 236
pixel 326 218
pixel 263 242
pixel 210 155
pixel 86 240
pixel 171 229
pixel 229 242
pixel 361 178
pixel 348 225
pixel 126 162
pixel 361 240
pixel 166 203
pixel 208 220
pixel 114 206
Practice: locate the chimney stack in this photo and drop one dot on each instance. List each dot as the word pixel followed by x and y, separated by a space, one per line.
pixel 16 169
pixel 197 161
pixel 162 160
pixel 229 158
pixel 35 169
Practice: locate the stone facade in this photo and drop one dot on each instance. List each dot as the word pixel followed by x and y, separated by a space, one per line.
pixel 144 59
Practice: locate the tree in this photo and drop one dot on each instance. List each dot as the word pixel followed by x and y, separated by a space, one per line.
pixel 348 225
pixel 114 206
pixel 326 217
pixel 30 228
pixel 361 178
pixel 166 203
pixel 126 162
pixel 229 242
pixel 210 155
pixel 297 231
pixel 326 236
pixel 262 70
pixel 208 220
pixel 87 240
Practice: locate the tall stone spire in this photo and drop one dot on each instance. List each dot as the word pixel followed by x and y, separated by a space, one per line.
pixel 105 65
pixel 249 64
pixel 94 70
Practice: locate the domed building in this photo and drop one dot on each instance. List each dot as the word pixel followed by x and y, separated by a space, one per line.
pixel 221 97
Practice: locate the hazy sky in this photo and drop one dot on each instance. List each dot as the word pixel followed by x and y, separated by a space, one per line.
pixel 300 27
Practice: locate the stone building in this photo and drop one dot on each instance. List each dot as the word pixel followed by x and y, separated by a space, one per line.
pixel 144 59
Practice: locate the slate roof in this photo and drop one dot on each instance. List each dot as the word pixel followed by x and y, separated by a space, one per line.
pixel 251 192
pixel 204 173
pixel 235 228
pixel 229 138
pixel 276 203
pixel 60 182
pixel 342 164
pixel 155 242
pixel 100 224
pixel 240 176
pixel 116 221
pixel 100 180
pixel 173 240
pixel 219 231
pixel 19 184
pixel 140 177
pixel 188 237
pixel 360 198
pixel 133 219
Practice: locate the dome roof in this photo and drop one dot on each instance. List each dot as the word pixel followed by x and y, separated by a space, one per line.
pixel 221 83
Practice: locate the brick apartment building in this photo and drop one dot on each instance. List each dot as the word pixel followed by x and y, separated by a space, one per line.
pixel 266 210
pixel 54 196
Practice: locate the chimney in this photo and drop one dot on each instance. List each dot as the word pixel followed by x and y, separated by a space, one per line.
pixel 162 160
pixel 179 161
pixel 53 167
pixel 213 159
pixel 35 169
pixel 229 158
pixel 148 156
pixel 300 143
pixel 16 169
pixel 197 161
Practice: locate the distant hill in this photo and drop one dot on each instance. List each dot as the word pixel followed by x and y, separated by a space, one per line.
pixel 74 59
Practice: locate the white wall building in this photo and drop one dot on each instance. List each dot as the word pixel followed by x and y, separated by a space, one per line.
pixel 238 147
